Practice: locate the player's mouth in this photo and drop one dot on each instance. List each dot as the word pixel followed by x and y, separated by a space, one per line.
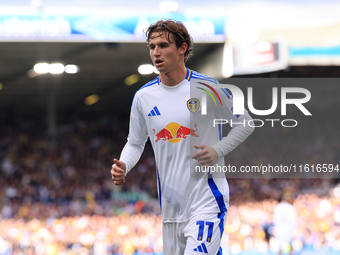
pixel 158 62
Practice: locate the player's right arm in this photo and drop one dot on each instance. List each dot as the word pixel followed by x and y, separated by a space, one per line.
pixel 118 170
pixel 134 147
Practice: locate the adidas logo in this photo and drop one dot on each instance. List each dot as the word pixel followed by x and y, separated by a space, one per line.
pixel 154 112
pixel 201 248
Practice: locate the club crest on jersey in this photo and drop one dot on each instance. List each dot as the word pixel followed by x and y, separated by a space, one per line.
pixel 193 105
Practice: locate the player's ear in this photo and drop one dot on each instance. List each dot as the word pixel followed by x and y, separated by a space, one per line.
pixel 183 48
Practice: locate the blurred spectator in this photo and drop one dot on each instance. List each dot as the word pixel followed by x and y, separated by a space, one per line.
pixel 285 223
pixel 62 200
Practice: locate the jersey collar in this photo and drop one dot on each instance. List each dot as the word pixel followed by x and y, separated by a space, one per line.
pixel 188 77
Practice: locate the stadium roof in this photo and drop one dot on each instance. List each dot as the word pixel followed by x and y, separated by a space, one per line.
pixel 103 69
pixel 104 66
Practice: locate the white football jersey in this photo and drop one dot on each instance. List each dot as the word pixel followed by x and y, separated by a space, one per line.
pixel 284 221
pixel 172 118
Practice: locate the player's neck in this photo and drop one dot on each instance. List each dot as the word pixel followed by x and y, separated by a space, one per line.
pixel 174 77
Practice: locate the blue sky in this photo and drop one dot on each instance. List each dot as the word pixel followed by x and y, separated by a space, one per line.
pixel 143 4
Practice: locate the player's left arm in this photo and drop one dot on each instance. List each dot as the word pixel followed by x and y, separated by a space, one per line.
pixel 239 132
pixel 207 156
pixel 240 128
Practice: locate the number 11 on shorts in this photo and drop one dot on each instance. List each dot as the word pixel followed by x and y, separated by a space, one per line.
pixel 201 230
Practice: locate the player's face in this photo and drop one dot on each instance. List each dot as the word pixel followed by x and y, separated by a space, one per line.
pixel 164 54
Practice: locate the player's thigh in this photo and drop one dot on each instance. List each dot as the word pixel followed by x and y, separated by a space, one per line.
pixel 204 233
pixel 173 239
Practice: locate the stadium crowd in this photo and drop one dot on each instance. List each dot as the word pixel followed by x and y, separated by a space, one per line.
pixel 57 196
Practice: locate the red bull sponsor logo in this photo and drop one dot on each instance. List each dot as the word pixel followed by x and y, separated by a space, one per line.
pixel 174 132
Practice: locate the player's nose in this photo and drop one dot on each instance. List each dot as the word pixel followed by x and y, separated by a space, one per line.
pixel 156 51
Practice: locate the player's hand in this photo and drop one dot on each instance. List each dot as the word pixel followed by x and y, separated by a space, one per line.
pixel 118 172
pixel 207 156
